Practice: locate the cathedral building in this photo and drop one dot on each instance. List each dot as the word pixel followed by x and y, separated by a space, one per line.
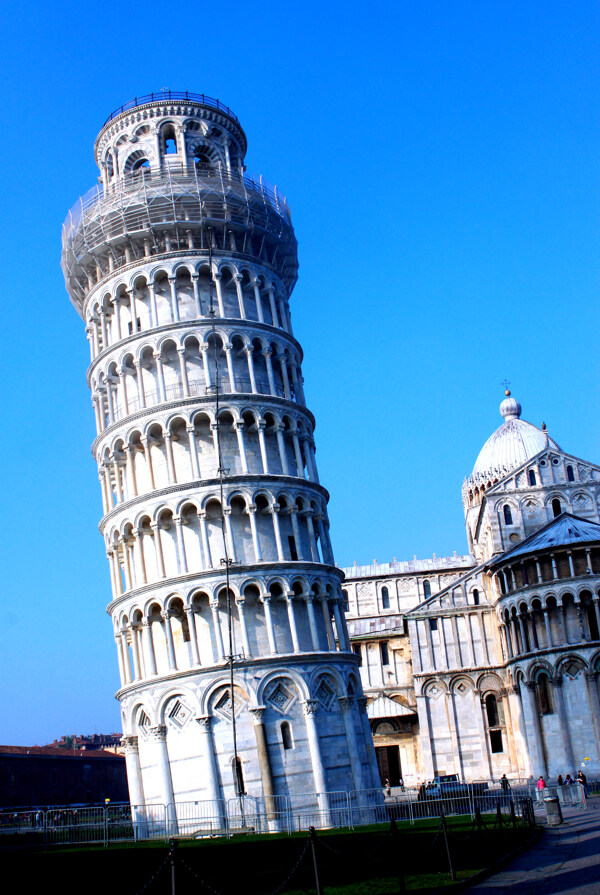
pixel 488 664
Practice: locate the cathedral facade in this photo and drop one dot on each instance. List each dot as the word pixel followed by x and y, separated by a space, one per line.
pixel 488 664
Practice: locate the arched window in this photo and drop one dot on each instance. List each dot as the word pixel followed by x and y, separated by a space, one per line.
pixel 475 597
pixel 201 158
pixel 286 736
pixel 426 589
pixel 345 601
pixel 570 474
pixel 531 477
pixel 507 515
pixel 542 692
pixel 556 507
pixel 491 709
pixel 385 598
pixel 170 140
pixel 494 715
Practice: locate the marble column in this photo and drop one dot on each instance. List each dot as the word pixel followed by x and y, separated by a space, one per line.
pixel 533 731
pixel 591 679
pixel 211 775
pixel 163 774
pixel 347 706
pixel 266 770
pixel 135 784
pixel 361 702
pixel 310 708
pixel 563 723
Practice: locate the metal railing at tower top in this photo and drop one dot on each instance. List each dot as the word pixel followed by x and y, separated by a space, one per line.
pixel 172 96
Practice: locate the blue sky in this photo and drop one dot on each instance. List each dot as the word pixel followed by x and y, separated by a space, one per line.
pixel 441 164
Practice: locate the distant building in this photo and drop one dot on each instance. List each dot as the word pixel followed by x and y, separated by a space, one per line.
pixel 108 742
pixel 488 664
pixel 37 776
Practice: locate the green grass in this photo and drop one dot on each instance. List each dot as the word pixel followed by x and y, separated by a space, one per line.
pixel 365 861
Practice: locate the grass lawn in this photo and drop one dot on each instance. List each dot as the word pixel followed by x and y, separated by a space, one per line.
pixel 366 861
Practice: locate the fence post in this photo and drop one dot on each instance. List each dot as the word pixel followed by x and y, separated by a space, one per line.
pixel 396 844
pixel 478 819
pixel 445 832
pixel 499 815
pixel 411 815
pixel 313 845
pixel 173 846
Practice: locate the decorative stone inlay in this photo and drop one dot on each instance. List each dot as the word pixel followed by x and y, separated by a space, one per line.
pixel 490 682
pixel 325 694
pixel 280 698
pixel 178 714
pixel 406 584
pixel 144 724
pixel 223 705
pixel 571 669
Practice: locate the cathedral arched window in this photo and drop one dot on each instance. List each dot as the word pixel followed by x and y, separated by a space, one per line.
pixel 286 736
pixel 491 710
pixel 494 716
pixel 542 692
pixel 531 477
pixel 507 515
pixel 345 601
pixel 385 598
pixel 426 589
pixel 475 597
pixel 556 507
pixel 570 474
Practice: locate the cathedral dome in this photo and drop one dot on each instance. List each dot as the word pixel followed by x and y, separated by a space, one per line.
pixel 513 443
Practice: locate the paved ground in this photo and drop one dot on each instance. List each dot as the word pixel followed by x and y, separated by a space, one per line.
pixel 565 859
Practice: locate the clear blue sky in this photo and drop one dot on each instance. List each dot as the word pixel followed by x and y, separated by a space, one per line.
pixel 441 164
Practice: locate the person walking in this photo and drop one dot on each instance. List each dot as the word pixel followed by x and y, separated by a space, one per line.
pixel 540 786
pixel 581 778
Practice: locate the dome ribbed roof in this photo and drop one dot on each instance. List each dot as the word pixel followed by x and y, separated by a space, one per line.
pixel 512 444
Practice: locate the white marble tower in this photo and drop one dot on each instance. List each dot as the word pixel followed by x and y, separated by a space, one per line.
pixel 182 268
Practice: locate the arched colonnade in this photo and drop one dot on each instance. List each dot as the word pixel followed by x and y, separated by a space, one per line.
pixel 281 616
pixel 181 292
pixel 189 448
pixel 554 620
pixel 197 535
pixel 193 366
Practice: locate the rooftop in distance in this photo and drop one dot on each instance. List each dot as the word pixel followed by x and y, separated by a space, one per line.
pixel 411 565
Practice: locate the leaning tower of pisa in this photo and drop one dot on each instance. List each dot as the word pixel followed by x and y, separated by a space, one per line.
pixel 237 676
